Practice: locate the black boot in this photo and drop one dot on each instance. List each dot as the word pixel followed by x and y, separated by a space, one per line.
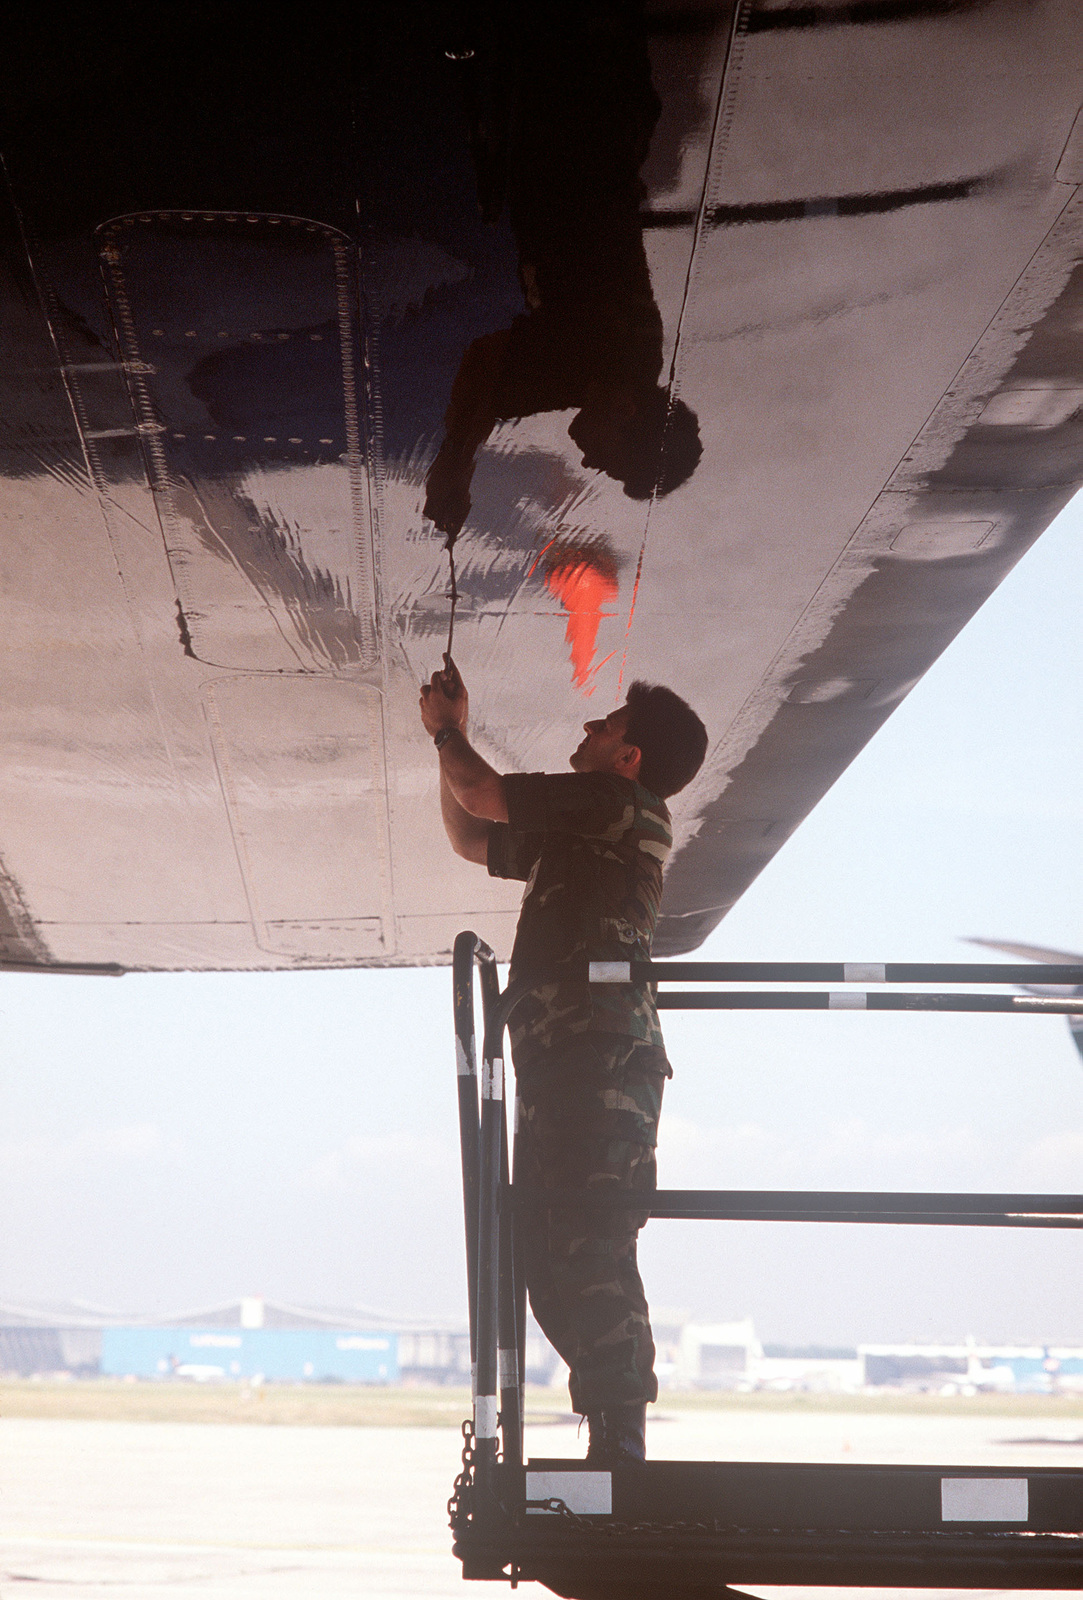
pixel 618 1434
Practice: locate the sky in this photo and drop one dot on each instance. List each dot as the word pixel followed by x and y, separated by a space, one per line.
pixel 179 1140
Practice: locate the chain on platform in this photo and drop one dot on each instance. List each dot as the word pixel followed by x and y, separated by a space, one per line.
pixel 458 1515
pixel 614 1529
pixel 716 1528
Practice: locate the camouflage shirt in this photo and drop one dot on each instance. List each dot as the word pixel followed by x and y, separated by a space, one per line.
pixel 590 847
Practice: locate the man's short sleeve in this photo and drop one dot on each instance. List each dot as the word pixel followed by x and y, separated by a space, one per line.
pixel 511 854
pixel 594 804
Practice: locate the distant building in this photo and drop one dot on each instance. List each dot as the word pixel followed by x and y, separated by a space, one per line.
pixel 970 1368
pixel 64 1338
pixel 729 1355
pixel 246 1338
pixel 815 1368
pixel 252 1338
pixel 435 1355
pixel 286 1355
pixel 715 1355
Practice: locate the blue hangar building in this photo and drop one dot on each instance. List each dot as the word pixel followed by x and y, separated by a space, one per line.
pixel 289 1354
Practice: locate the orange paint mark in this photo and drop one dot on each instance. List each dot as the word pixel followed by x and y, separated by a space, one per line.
pixel 583 586
pixel 547 546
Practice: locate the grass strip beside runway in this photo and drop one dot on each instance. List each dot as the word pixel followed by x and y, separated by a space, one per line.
pixel 365 1406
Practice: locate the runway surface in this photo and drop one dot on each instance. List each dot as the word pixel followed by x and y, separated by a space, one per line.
pixel 201 1512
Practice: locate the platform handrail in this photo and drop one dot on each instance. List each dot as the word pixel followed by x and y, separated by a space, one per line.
pixel 641 972
pixel 469 951
pixel 810 1205
pixel 497 1307
pixel 1018 1005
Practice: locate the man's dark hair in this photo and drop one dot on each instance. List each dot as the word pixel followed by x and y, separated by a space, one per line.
pixel 671 738
pixel 667 448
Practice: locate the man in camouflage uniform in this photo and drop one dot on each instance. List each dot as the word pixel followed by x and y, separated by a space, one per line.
pixel 590 1062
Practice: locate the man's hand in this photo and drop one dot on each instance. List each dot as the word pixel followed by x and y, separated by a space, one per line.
pixel 444 700
pixel 471 793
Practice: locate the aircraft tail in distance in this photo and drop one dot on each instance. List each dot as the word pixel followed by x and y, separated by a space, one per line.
pixel 1037 952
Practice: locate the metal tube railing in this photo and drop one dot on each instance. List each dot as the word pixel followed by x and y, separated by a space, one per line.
pixel 1019 1005
pixel 832 972
pixel 799 1205
pixel 509 1371
pixel 508 1362
pixel 468 950
pixel 495 1284
pixel 518 1265
pixel 486 1388
pixel 494 1399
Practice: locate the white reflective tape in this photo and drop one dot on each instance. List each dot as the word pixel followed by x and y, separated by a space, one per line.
pixel 846 1000
pixel 485 1415
pixel 492 1079
pixel 588 1494
pixel 464 1059
pixel 864 972
pixel 610 972
pixel 984 1500
pixel 507 1365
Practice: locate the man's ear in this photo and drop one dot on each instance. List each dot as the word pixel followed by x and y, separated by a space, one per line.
pixel 629 761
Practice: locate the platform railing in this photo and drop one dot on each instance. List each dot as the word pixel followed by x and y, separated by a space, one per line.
pixel 496 1286
pixel 496 1291
pixel 470 950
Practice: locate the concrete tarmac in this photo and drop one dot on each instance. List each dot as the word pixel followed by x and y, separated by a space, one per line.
pixel 203 1512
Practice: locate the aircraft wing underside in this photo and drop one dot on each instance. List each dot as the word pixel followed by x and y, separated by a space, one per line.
pixel 242 277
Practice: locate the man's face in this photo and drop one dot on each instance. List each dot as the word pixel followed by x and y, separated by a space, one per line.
pixel 605 748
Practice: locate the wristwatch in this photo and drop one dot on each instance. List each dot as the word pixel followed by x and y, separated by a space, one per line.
pixel 440 739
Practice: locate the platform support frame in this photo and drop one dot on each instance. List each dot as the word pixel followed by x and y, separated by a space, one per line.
pixel 492 1196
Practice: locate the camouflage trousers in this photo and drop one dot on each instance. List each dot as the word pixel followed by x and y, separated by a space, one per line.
pixel 588 1111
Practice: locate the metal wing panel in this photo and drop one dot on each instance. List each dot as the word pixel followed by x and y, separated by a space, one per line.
pixel 229 346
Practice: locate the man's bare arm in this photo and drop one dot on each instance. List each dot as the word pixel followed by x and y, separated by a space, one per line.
pixel 471 792
pixel 467 835
pixel 476 786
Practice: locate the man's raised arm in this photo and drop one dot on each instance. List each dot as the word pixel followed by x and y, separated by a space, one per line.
pixel 471 791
